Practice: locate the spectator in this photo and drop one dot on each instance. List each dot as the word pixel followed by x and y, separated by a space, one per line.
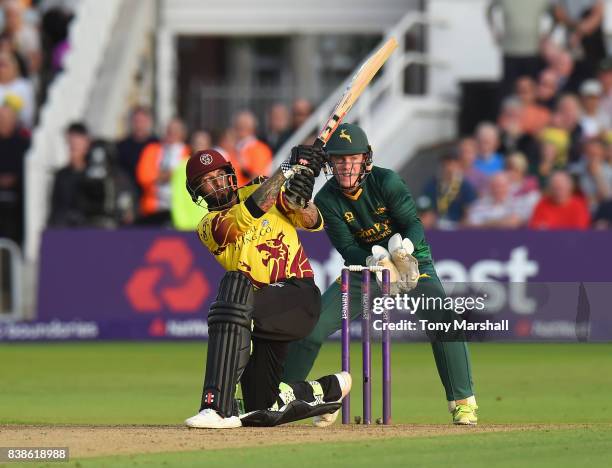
pixel 488 159
pixel 226 145
pixel 563 65
pixel 277 124
pixel 254 156
pixel 547 88
pixel 568 119
pixel 549 50
pixel 497 209
pixel 605 78
pixel 512 136
pixel 15 91
pixel 449 193
pixel 523 187
pixel 300 111
pixel 603 216
pixel 55 22
pixel 534 117
pixel 510 123
pixel 185 213
pixel 13 146
pixel 130 148
pixel 66 205
pixel 583 20
pixel 426 212
pixel 467 152
pixel 72 200
pixel 593 120
pixel 25 37
pixel 560 208
pixel 200 140
pixel 553 148
pixel 6 45
pixel 520 37
pixel 88 192
pixel 607 141
pixel 225 142
pixel 594 174
pixel 153 172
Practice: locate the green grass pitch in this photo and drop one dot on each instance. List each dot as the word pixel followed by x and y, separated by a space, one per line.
pixel 160 383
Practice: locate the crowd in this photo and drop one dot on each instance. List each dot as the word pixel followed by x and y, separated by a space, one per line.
pixel 33 44
pixel 140 179
pixel 546 162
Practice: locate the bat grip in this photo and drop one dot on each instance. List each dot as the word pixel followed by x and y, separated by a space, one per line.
pixel 318 143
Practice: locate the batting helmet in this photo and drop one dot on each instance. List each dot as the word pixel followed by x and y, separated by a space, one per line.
pixel 201 163
pixel 349 139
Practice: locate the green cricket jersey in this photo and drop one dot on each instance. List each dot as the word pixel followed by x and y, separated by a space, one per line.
pixel 382 207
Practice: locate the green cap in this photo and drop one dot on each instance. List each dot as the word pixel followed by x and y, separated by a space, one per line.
pixel 348 139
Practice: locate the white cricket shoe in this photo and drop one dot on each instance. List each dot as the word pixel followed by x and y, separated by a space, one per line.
pixel 209 419
pixel 346 382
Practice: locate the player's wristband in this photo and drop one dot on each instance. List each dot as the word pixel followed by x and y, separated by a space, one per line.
pixel 254 210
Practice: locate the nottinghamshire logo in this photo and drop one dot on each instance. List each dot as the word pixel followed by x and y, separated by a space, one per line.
pixel 380 210
pixel 345 135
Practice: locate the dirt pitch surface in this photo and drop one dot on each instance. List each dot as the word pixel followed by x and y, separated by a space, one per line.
pixel 92 441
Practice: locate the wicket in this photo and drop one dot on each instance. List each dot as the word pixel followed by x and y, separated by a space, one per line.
pixel 365 342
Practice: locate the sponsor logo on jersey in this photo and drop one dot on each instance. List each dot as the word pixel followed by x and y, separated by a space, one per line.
pixel 349 217
pixel 375 233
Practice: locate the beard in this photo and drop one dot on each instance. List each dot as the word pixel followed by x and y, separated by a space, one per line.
pixel 220 199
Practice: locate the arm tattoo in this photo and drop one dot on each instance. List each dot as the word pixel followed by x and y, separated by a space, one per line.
pixel 265 196
pixel 309 216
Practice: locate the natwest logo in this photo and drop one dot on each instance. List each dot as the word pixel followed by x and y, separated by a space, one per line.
pixel 167 280
pixel 518 268
pixel 500 282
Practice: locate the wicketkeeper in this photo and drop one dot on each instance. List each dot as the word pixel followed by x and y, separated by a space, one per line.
pixel 267 298
pixel 368 211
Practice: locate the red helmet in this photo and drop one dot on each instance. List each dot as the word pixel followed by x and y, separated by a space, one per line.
pixel 203 162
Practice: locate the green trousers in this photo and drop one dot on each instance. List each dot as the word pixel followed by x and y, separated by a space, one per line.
pixel 452 358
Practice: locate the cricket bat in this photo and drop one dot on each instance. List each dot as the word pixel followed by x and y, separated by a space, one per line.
pixel 356 86
pixel 360 80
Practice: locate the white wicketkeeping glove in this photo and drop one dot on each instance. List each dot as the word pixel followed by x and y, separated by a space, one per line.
pixel 381 257
pixel 407 266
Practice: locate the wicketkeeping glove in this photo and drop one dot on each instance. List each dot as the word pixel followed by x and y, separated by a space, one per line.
pixel 380 257
pixel 407 266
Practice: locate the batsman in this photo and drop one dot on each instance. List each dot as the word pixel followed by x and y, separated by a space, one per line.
pixel 266 299
pixel 370 218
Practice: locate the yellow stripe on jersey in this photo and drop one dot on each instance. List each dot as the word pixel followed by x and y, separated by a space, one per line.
pixel 266 249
